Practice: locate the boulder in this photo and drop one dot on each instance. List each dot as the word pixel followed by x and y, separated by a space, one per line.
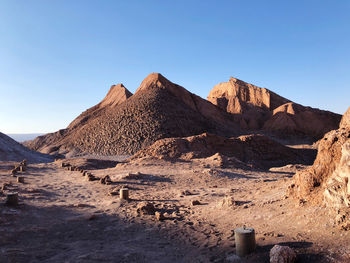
pixel 282 254
pixel 145 208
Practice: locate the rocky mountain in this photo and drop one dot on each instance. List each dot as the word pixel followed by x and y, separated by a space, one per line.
pixel 124 124
pixel 10 150
pixel 258 108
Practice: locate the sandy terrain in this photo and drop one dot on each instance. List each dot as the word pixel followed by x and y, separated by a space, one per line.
pixel 62 217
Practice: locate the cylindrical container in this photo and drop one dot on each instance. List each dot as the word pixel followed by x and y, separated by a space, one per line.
pixel 20 179
pixel 124 193
pixel 12 199
pixel 245 241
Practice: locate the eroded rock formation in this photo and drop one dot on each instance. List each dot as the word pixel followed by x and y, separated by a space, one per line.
pixel 327 180
pixel 257 108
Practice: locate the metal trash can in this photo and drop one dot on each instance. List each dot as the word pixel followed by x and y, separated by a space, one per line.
pixel 245 241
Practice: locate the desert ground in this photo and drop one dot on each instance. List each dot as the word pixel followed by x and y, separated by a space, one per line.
pixel 63 217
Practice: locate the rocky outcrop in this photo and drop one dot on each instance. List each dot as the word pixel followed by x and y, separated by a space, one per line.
pixel 327 180
pixel 250 104
pixel 123 124
pixel 256 108
pixel 237 96
pixel 337 192
pixel 310 184
pixel 10 150
pixel 255 151
pixel 345 121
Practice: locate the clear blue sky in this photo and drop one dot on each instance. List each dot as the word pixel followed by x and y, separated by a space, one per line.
pixel 58 58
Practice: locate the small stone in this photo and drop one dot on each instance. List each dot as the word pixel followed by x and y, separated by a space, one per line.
pixel 282 254
pixel 159 216
pixel 145 208
pixel 186 192
pixel 106 180
pixel 195 202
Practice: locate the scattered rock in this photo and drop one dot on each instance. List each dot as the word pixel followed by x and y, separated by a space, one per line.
pixel 114 191
pixel 159 216
pixel 145 208
pixel 13 172
pixel 106 180
pixel 91 177
pixel 195 202
pixel 186 192
pixel 131 176
pixel 282 254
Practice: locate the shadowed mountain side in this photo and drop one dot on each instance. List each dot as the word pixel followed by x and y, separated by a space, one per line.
pixel 158 109
pixel 292 118
pixel 256 151
pixel 10 150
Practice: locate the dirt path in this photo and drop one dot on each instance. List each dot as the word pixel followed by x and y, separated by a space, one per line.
pixel 64 218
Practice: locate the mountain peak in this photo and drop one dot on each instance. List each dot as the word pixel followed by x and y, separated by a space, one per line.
pixel 154 80
pixel 116 95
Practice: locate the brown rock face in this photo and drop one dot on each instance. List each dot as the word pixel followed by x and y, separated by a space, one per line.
pixel 237 96
pixel 292 118
pixel 318 181
pixel 255 150
pixel 250 103
pixel 124 124
pixel 257 108
pixel 345 121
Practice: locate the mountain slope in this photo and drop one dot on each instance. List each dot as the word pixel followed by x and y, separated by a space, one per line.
pixel 10 150
pixel 158 109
